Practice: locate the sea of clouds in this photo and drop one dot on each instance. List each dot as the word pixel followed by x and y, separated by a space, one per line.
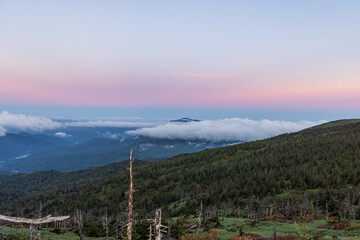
pixel 20 122
pixel 229 129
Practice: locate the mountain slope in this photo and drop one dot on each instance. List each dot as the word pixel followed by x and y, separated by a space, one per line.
pixel 15 146
pixel 101 151
pixel 284 172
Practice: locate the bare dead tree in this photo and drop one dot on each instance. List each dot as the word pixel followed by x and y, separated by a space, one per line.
pixel 150 232
pixel 198 220
pixel 107 226
pixel 157 224
pixel 121 230
pixel 169 229
pixel 80 223
pixel 130 210
pixel 30 228
pixel 158 227
pixel 39 226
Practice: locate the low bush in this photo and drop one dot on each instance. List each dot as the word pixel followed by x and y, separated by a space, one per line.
pixel 56 230
pixel 341 225
pixel 354 226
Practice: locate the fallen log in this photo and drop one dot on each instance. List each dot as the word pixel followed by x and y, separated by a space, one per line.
pixel 35 221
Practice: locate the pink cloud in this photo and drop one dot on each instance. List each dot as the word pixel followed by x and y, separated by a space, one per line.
pixel 204 75
pixel 187 90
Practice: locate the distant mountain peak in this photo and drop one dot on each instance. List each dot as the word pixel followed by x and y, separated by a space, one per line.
pixel 185 120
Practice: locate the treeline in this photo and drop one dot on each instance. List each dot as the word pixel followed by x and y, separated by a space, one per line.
pixel 316 169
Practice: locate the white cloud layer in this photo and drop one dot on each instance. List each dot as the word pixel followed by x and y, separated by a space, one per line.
pixel 62 134
pixel 20 122
pixel 234 129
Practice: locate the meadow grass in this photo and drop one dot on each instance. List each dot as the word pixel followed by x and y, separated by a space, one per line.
pixel 229 227
pixel 23 233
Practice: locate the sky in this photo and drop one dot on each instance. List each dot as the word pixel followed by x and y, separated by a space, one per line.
pixel 269 59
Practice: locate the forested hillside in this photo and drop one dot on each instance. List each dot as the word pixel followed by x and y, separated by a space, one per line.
pixel 312 172
pixel 13 187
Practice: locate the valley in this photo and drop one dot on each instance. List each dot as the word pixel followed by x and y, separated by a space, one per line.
pixel 80 147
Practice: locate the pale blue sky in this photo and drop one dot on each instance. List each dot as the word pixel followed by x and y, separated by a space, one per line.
pixel 280 59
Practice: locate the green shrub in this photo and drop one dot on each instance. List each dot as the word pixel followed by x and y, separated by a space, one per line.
pixel 94 229
pixel 10 236
pixel 56 230
pixel 354 226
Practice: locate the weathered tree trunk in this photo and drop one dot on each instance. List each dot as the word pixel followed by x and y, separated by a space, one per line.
pixel 80 223
pixel 150 232
pixel 107 226
pixel 157 223
pixel 198 221
pixel 169 230
pixel 39 232
pixel 130 211
pixel 39 226
pixel 31 236
pixel 158 227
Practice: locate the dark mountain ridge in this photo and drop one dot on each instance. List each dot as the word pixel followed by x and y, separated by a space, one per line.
pixel 185 120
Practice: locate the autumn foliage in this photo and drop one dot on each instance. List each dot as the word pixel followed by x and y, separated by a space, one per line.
pixel 253 236
pixel 275 217
pixel 341 225
pixel 209 235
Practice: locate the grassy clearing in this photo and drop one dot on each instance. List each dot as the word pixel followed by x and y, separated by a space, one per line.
pixel 231 226
pixel 23 233
pixel 228 228
pixel 178 205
